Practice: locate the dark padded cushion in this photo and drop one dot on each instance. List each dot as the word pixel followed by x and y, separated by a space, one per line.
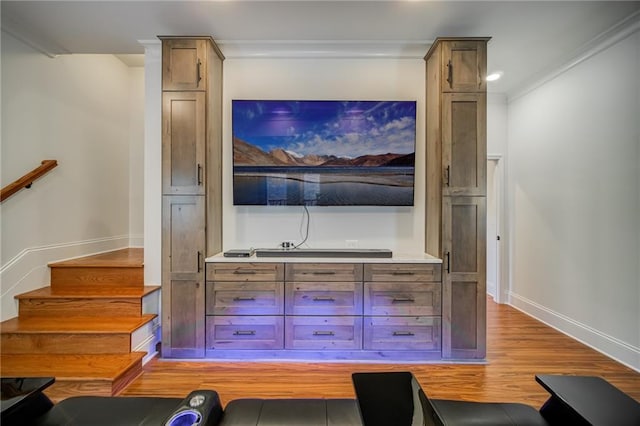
pixel 103 411
pixel 482 413
pixel 279 412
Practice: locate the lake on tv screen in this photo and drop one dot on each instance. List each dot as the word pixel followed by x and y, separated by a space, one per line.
pixel 346 186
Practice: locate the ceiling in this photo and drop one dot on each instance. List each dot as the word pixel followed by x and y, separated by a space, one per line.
pixel 529 38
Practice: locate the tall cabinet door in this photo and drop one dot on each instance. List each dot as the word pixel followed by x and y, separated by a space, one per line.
pixel 464 150
pixel 184 64
pixel 463 277
pixel 464 65
pixel 183 288
pixel 183 143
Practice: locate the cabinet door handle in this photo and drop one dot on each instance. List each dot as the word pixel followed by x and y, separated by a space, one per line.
pixel 244 299
pixel 448 255
pixel 199 174
pixel 450 74
pixel 403 300
pixel 402 273
pixel 403 333
pixel 324 333
pixel 244 333
pixel 198 77
pixel 244 272
pixel 323 273
pixel 324 299
pixel 199 260
pixel 447 175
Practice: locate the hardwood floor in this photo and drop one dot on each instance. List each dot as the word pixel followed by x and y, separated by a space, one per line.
pixel 518 348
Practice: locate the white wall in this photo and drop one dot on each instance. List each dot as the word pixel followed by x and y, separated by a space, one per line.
pixel 574 203
pixel 399 229
pixel 74 109
pixel 136 156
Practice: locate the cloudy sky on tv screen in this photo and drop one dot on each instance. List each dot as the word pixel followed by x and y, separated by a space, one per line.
pixel 347 129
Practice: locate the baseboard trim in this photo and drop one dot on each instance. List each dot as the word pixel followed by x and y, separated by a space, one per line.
pixel 28 270
pixel 610 346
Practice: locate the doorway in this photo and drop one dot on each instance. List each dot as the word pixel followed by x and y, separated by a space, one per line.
pixel 494 227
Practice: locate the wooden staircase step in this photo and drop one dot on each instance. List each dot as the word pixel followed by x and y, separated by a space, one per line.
pixel 84 302
pixel 74 324
pixel 91 335
pixel 120 268
pixel 99 375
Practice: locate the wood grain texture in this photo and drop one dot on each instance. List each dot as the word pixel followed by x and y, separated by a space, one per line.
pixel 80 305
pixel 66 343
pixel 98 375
pixel 518 348
pixel 124 258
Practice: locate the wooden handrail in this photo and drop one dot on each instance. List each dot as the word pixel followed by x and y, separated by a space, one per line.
pixel 26 180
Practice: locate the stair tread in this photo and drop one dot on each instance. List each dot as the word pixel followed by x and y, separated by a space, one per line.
pixel 69 366
pixel 124 258
pixel 90 292
pixel 78 325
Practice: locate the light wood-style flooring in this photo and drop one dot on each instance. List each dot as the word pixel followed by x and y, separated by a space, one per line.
pixel 518 348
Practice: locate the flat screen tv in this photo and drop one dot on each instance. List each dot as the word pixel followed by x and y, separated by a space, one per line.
pixel 323 153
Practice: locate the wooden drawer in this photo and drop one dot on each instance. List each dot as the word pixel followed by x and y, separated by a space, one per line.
pixel 242 298
pixel 245 271
pixel 245 332
pixel 410 299
pixel 323 272
pixel 310 298
pixel 402 333
pixel 403 272
pixel 323 333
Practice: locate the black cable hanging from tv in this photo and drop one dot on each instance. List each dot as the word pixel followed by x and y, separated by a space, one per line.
pixel 306 235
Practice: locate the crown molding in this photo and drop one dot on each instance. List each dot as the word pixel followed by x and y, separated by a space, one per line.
pixel 32 37
pixel 603 41
pixel 407 49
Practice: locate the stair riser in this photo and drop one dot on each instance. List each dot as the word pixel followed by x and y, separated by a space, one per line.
pixel 64 388
pixel 67 343
pixel 80 307
pixel 112 277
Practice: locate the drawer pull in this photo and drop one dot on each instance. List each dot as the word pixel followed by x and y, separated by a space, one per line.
pixel 244 333
pixel 402 273
pixel 244 299
pixel 244 272
pixel 323 272
pixel 403 300
pixel 324 299
pixel 403 333
pixel 324 333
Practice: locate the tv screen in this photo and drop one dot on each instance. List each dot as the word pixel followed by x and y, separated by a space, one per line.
pixel 323 153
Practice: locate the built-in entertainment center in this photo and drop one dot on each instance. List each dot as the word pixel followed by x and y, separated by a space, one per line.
pixel 323 304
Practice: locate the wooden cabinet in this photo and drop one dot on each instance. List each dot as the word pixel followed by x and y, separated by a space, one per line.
pixel 184 64
pixel 323 306
pixel 184 309
pixel 323 310
pixel 455 224
pixel 183 143
pixel 402 307
pixel 463 65
pixel 464 289
pixel 245 306
pixel 191 182
pixel 182 274
pixel 464 152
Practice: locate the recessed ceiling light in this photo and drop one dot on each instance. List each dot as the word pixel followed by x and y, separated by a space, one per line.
pixel 494 76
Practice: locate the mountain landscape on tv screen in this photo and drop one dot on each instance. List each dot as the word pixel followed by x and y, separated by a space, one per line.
pixel 246 154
